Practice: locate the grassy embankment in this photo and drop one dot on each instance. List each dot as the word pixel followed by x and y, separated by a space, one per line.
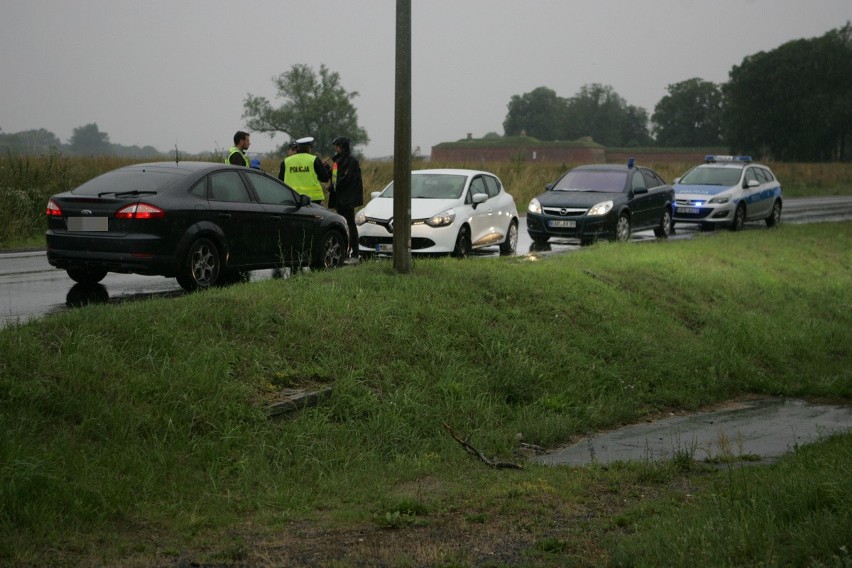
pixel 136 434
pixel 26 183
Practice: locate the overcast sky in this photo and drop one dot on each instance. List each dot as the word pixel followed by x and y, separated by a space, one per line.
pixel 162 73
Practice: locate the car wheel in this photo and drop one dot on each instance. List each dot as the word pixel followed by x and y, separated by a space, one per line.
pixel 463 247
pixel 775 217
pixel 201 266
pixel 511 243
pixel 332 251
pixel 85 275
pixel 739 218
pixel 622 228
pixel 665 228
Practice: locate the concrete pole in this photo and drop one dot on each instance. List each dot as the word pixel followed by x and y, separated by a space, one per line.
pixel 402 142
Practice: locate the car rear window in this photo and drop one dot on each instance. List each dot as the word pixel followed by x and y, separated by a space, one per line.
pixel 592 180
pixel 712 176
pixel 121 181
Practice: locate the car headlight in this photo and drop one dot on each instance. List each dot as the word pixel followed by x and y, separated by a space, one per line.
pixel 360 218
pixel 441 219
pixel 535 206
pixel 600 209
pixel 720 199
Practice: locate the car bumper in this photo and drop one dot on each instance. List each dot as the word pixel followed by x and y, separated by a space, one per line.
pixel 113 255
pixel 686 211
pixel 584 227
pixel 373 238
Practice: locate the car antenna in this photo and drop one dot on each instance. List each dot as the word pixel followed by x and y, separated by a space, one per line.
pixel 176 153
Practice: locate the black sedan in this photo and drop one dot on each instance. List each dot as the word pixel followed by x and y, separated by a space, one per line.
pixel 203 223
pixel 602 202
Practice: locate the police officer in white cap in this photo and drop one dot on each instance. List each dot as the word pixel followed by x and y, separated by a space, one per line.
pixel 305 172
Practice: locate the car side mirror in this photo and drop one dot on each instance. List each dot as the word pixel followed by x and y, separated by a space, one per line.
pixel 304 200
pixel 752 183
pixel 548 187
pixel 640 190
pixel 479 198
pixel 375 194
pixel 676 180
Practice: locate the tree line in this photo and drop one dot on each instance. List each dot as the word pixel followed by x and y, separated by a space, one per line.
pixel 86 140
pixel 793 103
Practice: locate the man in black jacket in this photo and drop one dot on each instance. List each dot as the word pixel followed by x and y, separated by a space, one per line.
pixel 347 188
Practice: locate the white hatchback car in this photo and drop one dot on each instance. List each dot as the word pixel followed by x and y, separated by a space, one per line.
pixel 727 191
pixel 452 211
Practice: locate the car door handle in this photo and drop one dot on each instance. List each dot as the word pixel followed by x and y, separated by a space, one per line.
pixel 225 216
pixel 275 217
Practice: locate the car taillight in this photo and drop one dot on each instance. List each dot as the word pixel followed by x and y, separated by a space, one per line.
pixel 53 209
pixel 140 211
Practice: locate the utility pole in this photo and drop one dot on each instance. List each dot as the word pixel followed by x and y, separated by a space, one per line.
pixel 402 142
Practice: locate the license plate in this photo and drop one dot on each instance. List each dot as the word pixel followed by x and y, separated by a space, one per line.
pixel 384 248
pixel 562 224
pixel 88 224
pixel 688 210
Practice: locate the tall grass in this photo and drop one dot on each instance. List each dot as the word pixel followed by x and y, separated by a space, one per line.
pixel 146 420
pixel 27 182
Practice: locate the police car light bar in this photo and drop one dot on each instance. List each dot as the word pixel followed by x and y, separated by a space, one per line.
pixel 710 158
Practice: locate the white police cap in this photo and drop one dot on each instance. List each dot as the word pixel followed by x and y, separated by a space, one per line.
pixel 305 141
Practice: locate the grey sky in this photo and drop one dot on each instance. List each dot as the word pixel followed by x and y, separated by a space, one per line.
pixel 161 73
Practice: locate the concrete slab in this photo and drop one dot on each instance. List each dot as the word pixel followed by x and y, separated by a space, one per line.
pixel 749 432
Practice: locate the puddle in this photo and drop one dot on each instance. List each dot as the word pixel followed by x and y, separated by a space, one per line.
pixel 750 432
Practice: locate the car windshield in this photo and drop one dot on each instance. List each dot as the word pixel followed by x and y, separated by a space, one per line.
pixel 608 181
pixel 712 176
pixel 433 186
pixel 128 181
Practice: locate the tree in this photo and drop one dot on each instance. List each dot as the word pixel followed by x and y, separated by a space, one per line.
pixel 314 105
pixel 690 115
pixel 539 113
pixel 598 111
pixel 38 142
pixel 88 140
pixel 793 103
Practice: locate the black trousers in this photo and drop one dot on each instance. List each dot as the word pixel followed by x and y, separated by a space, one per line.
pixel 348 213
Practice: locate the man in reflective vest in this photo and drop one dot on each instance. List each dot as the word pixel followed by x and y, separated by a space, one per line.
pixel 304 171
pixel 237 153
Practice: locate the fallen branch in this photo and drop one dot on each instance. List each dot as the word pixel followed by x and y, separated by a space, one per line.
pixel 477 454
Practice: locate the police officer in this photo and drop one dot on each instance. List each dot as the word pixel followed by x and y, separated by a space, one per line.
pixel 347 188
pixel 304 171
pixel 237 153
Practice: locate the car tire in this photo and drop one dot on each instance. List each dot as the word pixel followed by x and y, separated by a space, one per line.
pixel 331 252
pixel 83 275
pixel 201 266
pixel 510 245
pixel 622 228
pixel 665 228
pixel 739 218
pixel 463 247
pixel 774 218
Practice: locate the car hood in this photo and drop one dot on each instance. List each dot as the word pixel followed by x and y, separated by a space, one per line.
pixel 575 198
pixel 700 189
pixel 382 207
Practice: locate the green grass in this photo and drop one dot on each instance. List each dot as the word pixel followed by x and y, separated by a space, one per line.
pixel 137 433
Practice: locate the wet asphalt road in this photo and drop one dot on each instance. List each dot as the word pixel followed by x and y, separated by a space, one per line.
pixel 30 287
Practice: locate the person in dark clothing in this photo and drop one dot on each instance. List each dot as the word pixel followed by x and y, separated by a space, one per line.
pixel 347 188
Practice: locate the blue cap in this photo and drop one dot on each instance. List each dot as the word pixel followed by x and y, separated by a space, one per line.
pixel 255 163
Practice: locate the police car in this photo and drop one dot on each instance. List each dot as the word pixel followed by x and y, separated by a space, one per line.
pixel 728 191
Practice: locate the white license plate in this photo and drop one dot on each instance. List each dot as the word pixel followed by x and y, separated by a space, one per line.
pixel 688 210
pixel 88 224
pixel 562 224
pixel 384 248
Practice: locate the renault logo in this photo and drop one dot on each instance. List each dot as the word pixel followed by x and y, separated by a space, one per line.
pixel 86 212
pixel 390 225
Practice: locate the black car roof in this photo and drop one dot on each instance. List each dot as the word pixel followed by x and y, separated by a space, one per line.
pixel 179 167
pixel 605 167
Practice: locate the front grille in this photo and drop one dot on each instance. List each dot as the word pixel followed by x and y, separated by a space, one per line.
pixel 417 243
pixel 564 211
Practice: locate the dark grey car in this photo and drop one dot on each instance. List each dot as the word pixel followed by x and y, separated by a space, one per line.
pixel 604 201
pixel 203 223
